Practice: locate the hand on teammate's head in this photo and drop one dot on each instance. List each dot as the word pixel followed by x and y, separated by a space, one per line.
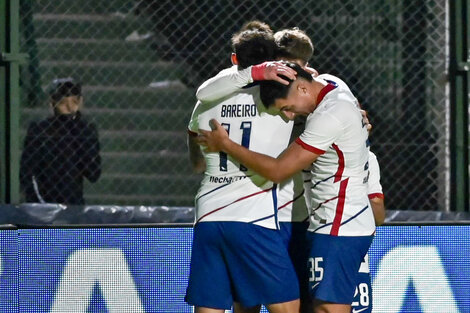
pixel 273 70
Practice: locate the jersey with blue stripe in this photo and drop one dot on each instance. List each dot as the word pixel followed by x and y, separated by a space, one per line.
pixel 338 201
pixel 229 191
pixel 291 203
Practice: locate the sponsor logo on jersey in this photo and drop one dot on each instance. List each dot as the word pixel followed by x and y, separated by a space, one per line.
pixel 225 180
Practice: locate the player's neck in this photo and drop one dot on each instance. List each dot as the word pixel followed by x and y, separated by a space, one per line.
pixel 318 86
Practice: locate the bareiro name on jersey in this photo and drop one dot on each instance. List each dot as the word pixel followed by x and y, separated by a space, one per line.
pixel 238 110
pixel 224 195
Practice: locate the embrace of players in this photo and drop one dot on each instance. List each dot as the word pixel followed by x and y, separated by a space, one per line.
pixel 280 222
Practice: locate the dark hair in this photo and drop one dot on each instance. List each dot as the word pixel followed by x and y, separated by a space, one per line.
pixel 293 43
pixel 256 25
pixel 253 46
pixel 64 87
pixel 271 90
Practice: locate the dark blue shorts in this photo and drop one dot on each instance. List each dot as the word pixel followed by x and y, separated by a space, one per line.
pixel 334 263
pixel 241 262
pixel 363 294
pixel 294 236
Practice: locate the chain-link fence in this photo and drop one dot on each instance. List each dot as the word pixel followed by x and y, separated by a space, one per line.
pixel 140 61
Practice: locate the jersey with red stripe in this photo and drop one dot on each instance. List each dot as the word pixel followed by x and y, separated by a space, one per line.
pixel 229 191
pixel 291 203
pixel 374 187
pixel 338 198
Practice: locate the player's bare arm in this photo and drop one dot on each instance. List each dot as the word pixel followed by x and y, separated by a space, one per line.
pixel 292 160
pixel 195 155
pixel 378 207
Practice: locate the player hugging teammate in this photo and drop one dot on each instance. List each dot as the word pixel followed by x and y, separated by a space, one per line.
pixel 242 256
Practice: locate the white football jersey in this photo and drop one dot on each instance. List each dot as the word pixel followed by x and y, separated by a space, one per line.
pixel 338 200
pixel 229 191
pixel 290 200
pixel 291 204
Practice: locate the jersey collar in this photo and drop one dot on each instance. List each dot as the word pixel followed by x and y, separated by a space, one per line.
pixel 329 87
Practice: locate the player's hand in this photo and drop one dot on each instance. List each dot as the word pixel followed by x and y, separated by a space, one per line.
pixel 365 120
pixel 215 140
pixel 271 71
pixel 312 71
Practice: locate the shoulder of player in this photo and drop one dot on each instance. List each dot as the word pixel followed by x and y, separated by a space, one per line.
pixel 335 79
pixel 373 162
pixel 228 70
pixel 327 114
pixel 334 103
pixel 242 96
pixel 333 112
pixel 372 155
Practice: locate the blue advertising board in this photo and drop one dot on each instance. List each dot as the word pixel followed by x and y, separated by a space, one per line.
pixel 145 269
pixel 421 269
pixel 8 270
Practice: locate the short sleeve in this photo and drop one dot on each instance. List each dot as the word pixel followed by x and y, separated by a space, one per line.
pixel 193 125
pixel 321 130
pixel 374 186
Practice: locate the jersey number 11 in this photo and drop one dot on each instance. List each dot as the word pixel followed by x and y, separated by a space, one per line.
pixel 246 133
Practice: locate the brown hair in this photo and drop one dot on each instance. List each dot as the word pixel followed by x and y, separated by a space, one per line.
pixel 253 46
pixel 293 43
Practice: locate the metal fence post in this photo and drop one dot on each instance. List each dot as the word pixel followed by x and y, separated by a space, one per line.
pixel 10 100
pixel 459 69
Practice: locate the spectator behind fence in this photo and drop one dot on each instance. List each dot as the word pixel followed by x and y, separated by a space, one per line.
pixel 60 150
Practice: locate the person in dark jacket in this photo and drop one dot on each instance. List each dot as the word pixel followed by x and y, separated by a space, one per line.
pixel 60 150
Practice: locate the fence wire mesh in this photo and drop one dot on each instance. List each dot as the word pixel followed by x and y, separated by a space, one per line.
pixel 139 63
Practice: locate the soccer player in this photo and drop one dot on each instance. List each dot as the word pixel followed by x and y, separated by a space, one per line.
pixel 334 140
pixel 294 45
pixel 363 294
pixel 238 256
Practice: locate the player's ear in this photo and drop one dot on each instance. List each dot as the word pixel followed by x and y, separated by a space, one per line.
pixel 234 59
pixel 301 87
